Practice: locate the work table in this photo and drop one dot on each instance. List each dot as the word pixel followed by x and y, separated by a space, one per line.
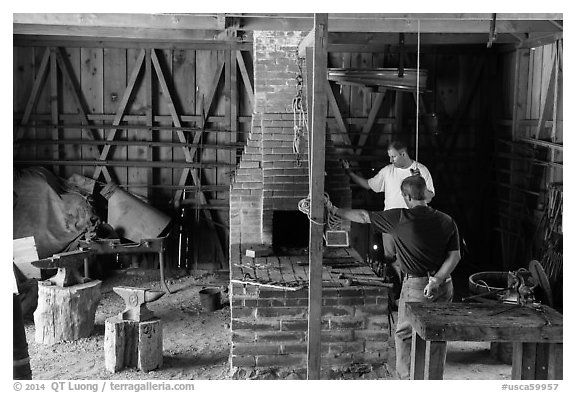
pixel 535 331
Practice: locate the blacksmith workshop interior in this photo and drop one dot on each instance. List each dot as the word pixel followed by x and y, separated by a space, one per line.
pixel 180 183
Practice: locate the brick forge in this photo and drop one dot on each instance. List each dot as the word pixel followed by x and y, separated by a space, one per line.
pixel 269 325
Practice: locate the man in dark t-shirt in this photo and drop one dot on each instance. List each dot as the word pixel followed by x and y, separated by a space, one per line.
pixel 428 248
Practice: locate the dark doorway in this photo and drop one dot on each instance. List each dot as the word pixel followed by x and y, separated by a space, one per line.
pixel 290 231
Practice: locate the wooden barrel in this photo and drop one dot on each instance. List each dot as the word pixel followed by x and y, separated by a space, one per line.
pixel 20 350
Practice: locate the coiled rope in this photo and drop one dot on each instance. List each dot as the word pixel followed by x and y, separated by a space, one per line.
pixel 333 221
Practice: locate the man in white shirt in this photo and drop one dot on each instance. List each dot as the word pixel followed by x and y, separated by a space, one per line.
pixel 388 181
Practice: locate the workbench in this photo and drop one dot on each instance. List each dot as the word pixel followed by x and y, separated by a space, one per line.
pixel 114 246
pixel 536 335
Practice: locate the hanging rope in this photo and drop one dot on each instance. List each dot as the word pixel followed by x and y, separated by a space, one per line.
pixel 300 120
pixel 417 90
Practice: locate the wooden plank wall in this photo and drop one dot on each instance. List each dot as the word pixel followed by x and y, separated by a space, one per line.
pixel 102 75
pixel 520 195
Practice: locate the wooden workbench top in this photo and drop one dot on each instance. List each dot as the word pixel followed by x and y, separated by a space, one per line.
pixel 484 322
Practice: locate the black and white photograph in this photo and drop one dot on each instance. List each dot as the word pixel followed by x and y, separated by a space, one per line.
pixel 293 195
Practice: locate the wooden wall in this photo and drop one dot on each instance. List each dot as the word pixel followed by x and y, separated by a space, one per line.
pixel 528 151
pixel 470 89
pixel 147 162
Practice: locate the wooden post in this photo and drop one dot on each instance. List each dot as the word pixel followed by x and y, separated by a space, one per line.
pixel 56 132
pixel 317 156
pixel 132 344
pixel 417 356
pixel 66 313
pixel 435 359
pixel 149 116
pixel 523 360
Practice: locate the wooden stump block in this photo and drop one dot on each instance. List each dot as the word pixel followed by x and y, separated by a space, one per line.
pixel 66 313
pixel 132 344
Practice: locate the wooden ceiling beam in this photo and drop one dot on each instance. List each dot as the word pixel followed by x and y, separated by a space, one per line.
pixel 35 23
pixel 400 25
pixel 119 32
pixel 152 21
pixel 337 38
pixel 118 42
pixel 413 16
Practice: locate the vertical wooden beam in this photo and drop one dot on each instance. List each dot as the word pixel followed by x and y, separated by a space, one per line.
pixel 435 359
pixel 523 360
pixel 149 116
pixel 399 112
pixel 317 165
pixel 520 94
pixel 417 356
pixel 554 110
pixel 521 72
pixel 233 103
pixel 555 366
pixel 56 132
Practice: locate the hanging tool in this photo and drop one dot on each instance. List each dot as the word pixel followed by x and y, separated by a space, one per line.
pixel 541 279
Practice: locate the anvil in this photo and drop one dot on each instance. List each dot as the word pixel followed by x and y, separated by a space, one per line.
pixel 67 264
pixel 136 300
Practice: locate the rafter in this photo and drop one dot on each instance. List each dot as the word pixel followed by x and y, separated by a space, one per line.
pixel 343 137
pixel 245 77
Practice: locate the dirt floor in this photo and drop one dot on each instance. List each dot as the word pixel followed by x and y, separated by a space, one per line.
pixel 196 342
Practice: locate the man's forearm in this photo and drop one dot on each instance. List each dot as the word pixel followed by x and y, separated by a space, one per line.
pixel 358 180
pixel 449 265
pixel 355 215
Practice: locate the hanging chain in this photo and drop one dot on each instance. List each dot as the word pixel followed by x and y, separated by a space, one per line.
pixel 300 121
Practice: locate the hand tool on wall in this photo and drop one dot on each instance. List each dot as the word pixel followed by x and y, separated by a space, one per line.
pixel 136 300
pixel 67 264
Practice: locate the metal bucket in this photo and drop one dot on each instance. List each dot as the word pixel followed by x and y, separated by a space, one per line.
pixel 210 299
pixel 486 282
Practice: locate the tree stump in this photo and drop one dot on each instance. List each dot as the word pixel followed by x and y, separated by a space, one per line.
pixel 66 313
pixel 132 344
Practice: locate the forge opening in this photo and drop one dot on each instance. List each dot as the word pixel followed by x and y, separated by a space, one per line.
pixel 290 231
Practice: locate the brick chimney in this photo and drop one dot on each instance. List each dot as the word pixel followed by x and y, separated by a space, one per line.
pixel 270 177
